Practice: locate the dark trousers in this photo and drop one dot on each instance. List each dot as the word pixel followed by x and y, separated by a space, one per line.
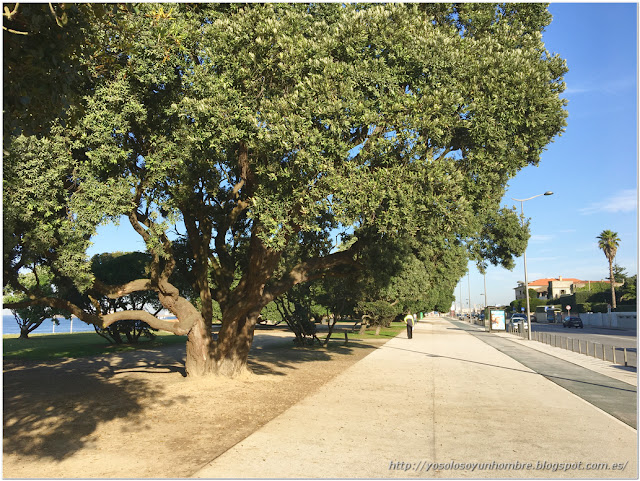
pixel 409 331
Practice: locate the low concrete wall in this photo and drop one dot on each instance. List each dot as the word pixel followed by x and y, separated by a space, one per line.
pixel 620 320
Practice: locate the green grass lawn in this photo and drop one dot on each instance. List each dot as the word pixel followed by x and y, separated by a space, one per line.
pixel 44 347
pixel 385 332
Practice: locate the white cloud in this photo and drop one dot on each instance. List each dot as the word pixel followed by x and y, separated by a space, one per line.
pixel 541 238
pixel 570 91
pixel 610 86
pixel 623 201
pixel 544 259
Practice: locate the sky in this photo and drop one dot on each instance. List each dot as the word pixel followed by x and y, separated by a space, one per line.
pixel 591 168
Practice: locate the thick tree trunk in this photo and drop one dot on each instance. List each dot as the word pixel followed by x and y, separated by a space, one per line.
pixel 613 289
pixel 234 342
pixel 199 361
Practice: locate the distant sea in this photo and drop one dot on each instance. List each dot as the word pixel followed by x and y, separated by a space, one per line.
pixel 10 326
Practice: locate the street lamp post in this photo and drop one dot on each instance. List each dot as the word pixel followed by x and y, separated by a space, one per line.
pixel 524 257
pixel 469 286
pixel 486 303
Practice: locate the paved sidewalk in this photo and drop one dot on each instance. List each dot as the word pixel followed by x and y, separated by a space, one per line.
pixel 445 397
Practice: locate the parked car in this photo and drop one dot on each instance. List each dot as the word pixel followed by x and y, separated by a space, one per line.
pixel 572 321
pixel 519 320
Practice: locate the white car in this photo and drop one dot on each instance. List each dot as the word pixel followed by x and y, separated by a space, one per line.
pixel 518 320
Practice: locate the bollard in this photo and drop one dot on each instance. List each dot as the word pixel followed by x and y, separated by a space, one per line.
pixel 604 357
pixel 614 354
pixel 579 347
pixel 587 347
pixel 625 356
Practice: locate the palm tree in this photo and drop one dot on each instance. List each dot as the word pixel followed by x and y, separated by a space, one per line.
pixel 609 241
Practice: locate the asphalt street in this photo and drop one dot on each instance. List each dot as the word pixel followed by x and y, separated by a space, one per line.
pixel 622 338
pixel 609 338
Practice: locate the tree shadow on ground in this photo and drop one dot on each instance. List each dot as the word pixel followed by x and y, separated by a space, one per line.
pixel 278 359
pixel 52 409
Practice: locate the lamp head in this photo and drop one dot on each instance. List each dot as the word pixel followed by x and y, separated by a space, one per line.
pixel 548 193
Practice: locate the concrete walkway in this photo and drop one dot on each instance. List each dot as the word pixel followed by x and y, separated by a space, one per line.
pixel 443 404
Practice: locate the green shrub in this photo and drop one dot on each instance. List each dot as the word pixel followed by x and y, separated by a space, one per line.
pixel 627 308
pixel 585 307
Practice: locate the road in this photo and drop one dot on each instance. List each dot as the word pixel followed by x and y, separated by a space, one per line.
pixel 607 337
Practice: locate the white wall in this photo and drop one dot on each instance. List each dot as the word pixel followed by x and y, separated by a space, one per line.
pixel 624 320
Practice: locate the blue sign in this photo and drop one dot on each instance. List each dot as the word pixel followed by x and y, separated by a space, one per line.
pixel 522 309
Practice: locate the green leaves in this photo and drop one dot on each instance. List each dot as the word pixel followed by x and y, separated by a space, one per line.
pixel 268 126
pixel 608 241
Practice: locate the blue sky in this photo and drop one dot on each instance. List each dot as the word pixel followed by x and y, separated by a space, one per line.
pixel 591 168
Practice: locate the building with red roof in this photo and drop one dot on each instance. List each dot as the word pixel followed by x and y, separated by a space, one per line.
pixel 552 288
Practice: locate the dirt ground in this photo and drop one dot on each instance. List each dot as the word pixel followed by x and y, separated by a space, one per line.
pixel 135 415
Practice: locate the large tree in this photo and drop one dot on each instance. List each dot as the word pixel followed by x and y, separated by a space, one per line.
pixel 246 131
pixel 29 318
pixel 609 241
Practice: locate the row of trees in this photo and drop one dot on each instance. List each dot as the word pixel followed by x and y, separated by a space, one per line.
pixel 378 294
pixel 237 140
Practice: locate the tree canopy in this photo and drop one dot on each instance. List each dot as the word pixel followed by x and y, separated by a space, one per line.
pixel 237 139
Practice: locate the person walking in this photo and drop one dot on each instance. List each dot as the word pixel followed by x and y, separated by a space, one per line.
pixel 409 321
